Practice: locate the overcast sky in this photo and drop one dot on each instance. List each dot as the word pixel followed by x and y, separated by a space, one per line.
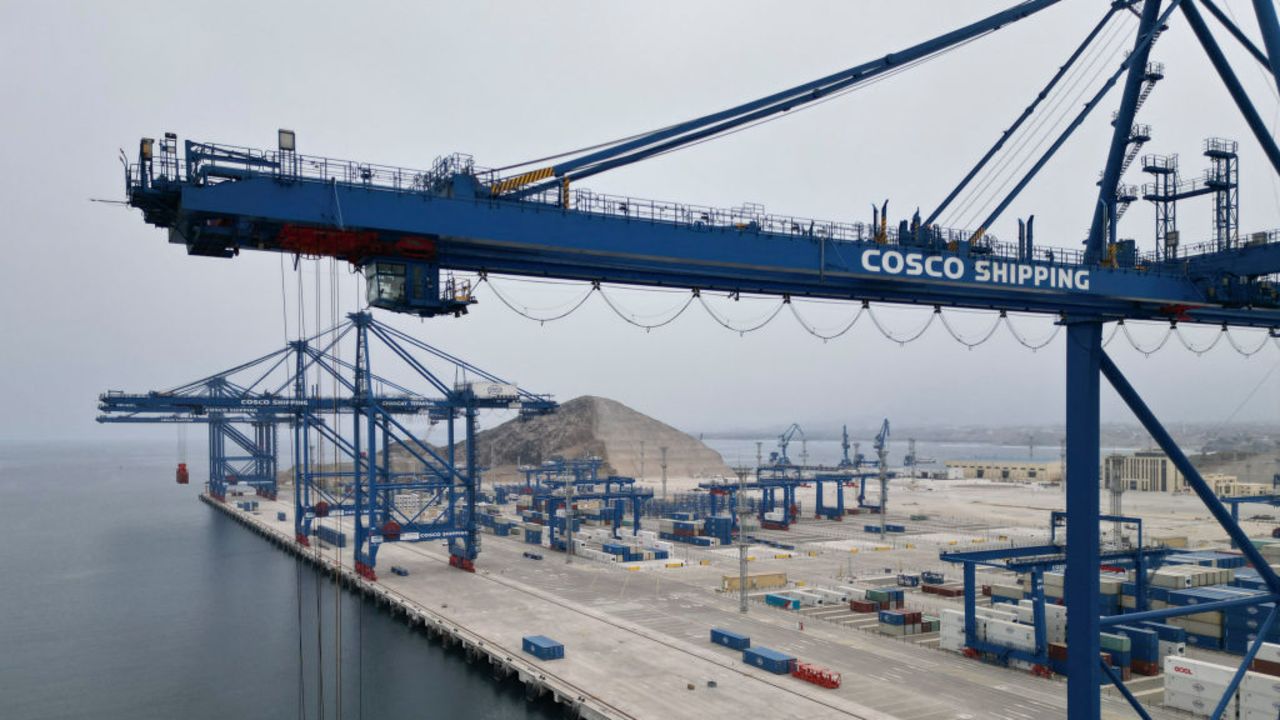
pixel 95 299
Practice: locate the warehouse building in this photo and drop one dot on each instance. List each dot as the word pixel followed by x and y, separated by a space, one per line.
pixel 1018 471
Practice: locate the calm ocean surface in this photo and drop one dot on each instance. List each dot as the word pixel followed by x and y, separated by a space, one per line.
pixel 122 596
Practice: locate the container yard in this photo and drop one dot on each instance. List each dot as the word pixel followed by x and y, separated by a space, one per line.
pixel 833 621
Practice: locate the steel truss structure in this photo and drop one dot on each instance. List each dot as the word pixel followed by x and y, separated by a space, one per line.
pixel 395 486
pixel 403 227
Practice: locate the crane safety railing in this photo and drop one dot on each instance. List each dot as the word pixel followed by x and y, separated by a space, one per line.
pixel 213 163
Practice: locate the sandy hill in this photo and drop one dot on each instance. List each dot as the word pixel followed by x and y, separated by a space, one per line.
pixel 596 426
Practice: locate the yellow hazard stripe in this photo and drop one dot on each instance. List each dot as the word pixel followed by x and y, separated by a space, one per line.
pixel 511 183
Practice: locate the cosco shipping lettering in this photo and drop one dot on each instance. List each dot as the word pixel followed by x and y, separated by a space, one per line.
pixel 911 264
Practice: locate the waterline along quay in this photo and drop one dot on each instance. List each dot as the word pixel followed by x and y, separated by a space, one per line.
pixel 620 568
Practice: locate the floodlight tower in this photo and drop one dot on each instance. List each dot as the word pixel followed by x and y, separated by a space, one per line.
pixel 743 473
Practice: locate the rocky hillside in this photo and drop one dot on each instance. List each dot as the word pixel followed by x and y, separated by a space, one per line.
pixel 590 425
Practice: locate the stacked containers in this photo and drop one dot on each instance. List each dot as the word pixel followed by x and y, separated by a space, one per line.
pixel 1119 651
pixel 1259 692
pixel 1172 640
pixel 900 622
pixel 1144 644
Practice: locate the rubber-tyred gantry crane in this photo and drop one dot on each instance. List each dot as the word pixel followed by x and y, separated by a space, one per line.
pixel 403 227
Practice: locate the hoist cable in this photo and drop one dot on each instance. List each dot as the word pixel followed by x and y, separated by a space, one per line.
pixel 1070 81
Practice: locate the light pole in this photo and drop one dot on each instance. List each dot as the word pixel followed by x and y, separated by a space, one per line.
pixel 742 472
pixel 664 471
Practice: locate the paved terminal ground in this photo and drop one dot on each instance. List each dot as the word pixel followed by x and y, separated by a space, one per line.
pixel 636 635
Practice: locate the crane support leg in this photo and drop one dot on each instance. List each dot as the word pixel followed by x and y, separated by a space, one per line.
pixel 1238 93
pixel 1084 355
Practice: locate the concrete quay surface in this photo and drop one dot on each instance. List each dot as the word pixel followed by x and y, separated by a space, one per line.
pixel 637 642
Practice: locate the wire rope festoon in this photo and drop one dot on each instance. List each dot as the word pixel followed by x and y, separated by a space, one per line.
pixel 667 317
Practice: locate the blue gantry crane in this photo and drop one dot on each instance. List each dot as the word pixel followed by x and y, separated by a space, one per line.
pixel 426 494
pixel 557 483
pixel 403 228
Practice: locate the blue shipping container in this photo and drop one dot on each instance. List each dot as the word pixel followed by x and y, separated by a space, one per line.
pixel 730 639
pixel 782 601
pixel 766 659
pixel 542 647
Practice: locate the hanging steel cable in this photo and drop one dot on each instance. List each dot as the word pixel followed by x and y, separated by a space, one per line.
pixel 1197 350
pixel 1168 332
pixel 1033 346
pixel 1115 330
pixel 524 313
pixel 903 340
pixel 812 330
pixel 670 316
pixel 1247 353
pixel 1051 119
pixel 745 330
pixel 1099 49
pixel 960 339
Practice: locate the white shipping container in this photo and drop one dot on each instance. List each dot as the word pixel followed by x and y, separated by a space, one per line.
pixel 853 593
pixel 1006 615
pixel 1193 703
pixel 1261 685
pixel 1269 652
pixel 832 596
pixel 1174 649
pixel 1266 704
pixel 1010 634
pixel 807 598
pixel 1183 671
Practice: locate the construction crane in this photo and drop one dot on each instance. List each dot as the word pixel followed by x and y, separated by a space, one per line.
pixel 406 230
pixel 281 388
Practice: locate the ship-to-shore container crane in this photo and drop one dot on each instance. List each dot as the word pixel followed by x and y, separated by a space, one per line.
pixel 403 227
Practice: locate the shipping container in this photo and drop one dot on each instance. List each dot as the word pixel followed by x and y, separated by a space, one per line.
pixel 730 639
pixel 542 647
pixel 770 660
